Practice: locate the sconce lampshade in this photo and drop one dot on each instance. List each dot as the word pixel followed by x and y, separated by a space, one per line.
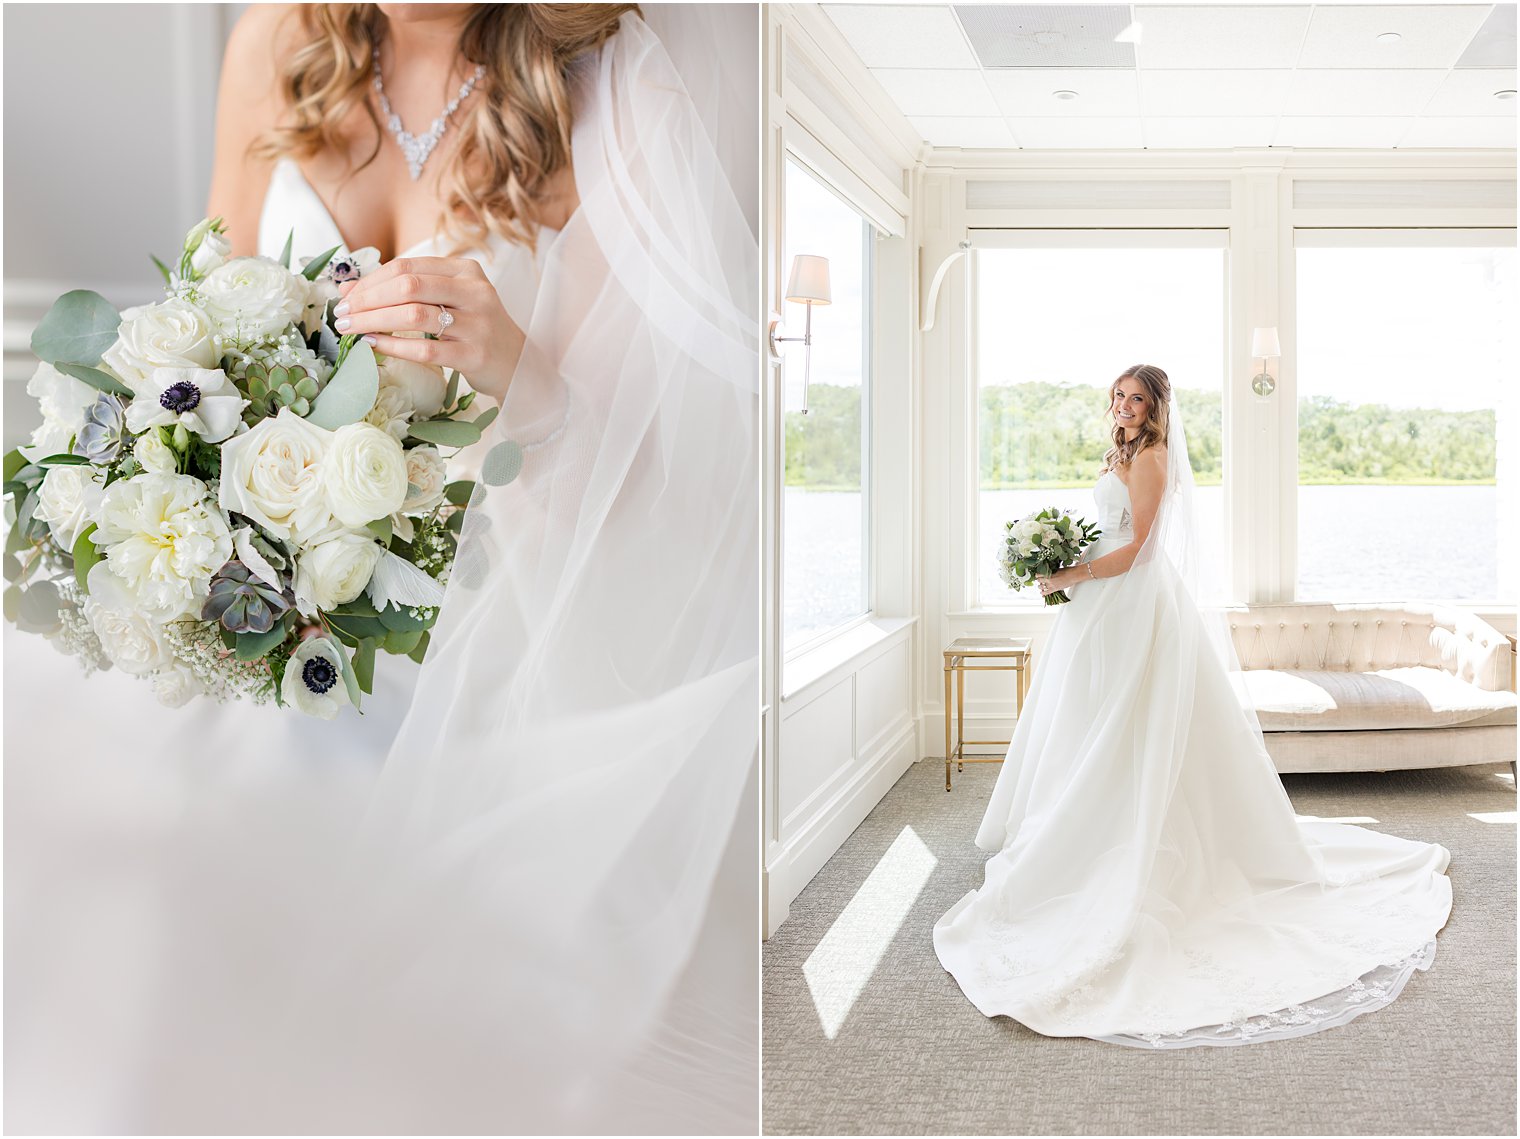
pixel 809 282
pixel 1264 343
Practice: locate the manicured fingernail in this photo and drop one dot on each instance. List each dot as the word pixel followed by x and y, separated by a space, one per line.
pixel 370 340
pixel 342 323
pixel 340 308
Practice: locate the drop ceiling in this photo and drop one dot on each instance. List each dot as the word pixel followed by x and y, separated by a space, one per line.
pixel 1064 76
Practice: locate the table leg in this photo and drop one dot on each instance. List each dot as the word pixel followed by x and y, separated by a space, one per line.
pixel 960 713
pixel 947 724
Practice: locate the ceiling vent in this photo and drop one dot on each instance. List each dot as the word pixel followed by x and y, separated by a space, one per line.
pixel 1048 35
pixel 1494 45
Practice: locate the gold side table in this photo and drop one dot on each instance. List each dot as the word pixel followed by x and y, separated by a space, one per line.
pixel 980 654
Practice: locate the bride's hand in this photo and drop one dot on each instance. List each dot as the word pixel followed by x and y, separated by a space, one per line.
pixel 410 294
pixel 1061 579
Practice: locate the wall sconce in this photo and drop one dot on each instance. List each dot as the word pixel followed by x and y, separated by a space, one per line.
pixel 809 285
pixel 1265 346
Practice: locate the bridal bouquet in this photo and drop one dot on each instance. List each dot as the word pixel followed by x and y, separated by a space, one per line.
pixel 227 497
pixel 1041 544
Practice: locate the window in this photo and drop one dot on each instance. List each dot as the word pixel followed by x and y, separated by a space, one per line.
pixel 1404 341
pixel 1058 317
pixel 826 497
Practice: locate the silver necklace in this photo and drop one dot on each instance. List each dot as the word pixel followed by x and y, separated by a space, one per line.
pixel 417 148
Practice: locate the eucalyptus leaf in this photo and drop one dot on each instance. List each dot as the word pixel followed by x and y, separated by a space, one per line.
pixel 12 603
pixel 86 555
pixel 486 418
pixel 350 680
pixel 402 643
pixel 357 627
pixel 290 240
pixel 96 378
pixel 318 263
pixel 422 646
pixel 445 432
pixel 401 620
pixel 38 611
pixel 360 606
pixel 458 492
pixel 14 461
pixel 77 329
pixel 380 528
pixel 351 392
pixel 364 665
pixel 13 567
pixel 502 463
pixel 452 390
pixel 251 646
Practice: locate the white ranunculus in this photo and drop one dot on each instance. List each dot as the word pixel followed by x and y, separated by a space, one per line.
pixel 252 298
pixel 132 638
pixel 211 253
pixel 163 539
pixel 273 475
pixel 392 412
pixel 68 501
pixel 335 569
pixel 424 384
pixel 63 400
pixel 365 474
pixel 171 334
pixel 314 679
pixel 204 400
pixel 154 455
pixel 425 480
pixel 176 686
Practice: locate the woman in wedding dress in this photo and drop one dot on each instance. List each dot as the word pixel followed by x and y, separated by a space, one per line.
pixel 516 894
pixel 1151 885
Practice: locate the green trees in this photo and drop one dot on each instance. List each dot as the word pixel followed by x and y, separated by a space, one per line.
pixel 1040 434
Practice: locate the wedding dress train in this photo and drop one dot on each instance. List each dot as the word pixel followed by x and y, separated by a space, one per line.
pixel 1152 885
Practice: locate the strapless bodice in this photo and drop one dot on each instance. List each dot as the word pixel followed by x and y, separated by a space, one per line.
pixel 1114 508
pixel 291 205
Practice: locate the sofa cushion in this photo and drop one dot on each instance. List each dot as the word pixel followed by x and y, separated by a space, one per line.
pixel 1298 700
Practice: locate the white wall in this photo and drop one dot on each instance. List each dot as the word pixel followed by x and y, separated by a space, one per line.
pixel 109 117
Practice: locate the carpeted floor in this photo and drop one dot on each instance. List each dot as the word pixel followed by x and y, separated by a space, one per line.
pixel 890 1046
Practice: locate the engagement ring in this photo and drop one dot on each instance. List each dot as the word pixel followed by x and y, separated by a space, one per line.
pixel 445 318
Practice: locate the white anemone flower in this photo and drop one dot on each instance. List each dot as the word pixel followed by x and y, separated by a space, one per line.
pixel 203 400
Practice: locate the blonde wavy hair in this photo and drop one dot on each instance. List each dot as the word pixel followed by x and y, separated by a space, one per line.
pixel 512 140
pixel 1153 431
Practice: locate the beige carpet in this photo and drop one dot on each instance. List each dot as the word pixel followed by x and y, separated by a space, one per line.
pixel 890 1046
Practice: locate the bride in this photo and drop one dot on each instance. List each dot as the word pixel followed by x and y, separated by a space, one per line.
pixel 517 894
pixel 1151 885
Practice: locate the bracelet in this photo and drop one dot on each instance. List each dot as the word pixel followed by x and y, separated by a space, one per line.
pixel 1089 571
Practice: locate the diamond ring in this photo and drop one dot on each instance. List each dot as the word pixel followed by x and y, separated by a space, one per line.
pixel 445 318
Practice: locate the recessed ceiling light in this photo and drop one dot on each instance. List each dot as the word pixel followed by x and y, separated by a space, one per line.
pixel 1073 94
pixel 1389 38
pixel 1506 94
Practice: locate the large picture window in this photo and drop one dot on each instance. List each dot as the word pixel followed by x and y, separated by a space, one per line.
pixel 1405 342
pixel 1057 318
pixel 826 498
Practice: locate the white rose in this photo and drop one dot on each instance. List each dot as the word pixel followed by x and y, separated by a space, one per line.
pixel 314 679
pixel 203 400
pixel 334 570
pixel 273 475
pixel 68 500
pixel 211 253
pixel 365 474
pixel 171 334
pixel 424 480
pixel 131 638
pixel 176 686
pixel 392 412
pixel 154 455
pixel 63 400
pixel 163 540
pixel 424 384
pixel 252 298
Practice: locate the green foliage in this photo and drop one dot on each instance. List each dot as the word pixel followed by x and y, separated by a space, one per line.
pixel 351 391
pixel 76 330
pixel 1038 434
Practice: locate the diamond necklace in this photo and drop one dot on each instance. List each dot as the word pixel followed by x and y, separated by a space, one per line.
pixel 417 148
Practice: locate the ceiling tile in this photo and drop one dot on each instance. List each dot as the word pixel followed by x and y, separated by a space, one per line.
pixel 1084 134
pixel 891 35
pixel 947 130
pixel 1102 94
pixel 1198 134
pixel 1345 35
pixel 1482 132
pixel 1355 93
pixel 1220 36
pixel 1196 94
pixel 943 92
pixel 1494 45
pixel 1048 35
pixel 1471 93
pixel 1362 133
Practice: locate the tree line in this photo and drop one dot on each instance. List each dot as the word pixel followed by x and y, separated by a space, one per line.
pixel 1038 434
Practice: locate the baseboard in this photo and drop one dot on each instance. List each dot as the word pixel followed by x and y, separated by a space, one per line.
pixel 802 855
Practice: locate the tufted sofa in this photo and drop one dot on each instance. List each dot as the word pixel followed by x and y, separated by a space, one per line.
pixel 1375 687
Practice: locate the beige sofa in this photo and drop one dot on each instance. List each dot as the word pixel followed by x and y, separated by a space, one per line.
pixel 1375 687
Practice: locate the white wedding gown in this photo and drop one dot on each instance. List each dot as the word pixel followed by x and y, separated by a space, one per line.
pixel 516 894
pixel 1152 885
